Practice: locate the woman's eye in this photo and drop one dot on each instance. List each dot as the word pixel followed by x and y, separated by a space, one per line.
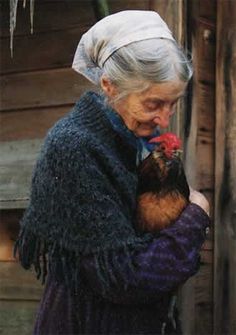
pixel 152 106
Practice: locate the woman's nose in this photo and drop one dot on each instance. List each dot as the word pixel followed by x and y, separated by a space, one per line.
pixel 162 122
pixel 163 119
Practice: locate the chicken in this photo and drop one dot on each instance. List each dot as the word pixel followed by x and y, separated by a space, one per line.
pixel 163 190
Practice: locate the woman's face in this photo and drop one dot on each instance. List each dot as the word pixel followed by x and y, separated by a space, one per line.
pixel 143 112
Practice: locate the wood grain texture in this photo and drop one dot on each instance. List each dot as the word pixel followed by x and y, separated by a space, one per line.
pixel 196 299
pixel 225 197
pixel 200 158
pixel 52 49
pixel 174 14
pixel 9 228
pixel 17 162
pixel 41 89
pixel 74 13
pixel 47 16
pixel 30 123
pixel 17 283
pixel 17 317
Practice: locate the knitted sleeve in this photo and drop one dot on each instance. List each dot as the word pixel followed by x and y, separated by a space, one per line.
pixel 163 266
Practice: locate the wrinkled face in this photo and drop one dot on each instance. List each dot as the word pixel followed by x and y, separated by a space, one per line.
pixel 143 112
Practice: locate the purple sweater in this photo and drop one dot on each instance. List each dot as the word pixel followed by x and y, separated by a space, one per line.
pixel 131 307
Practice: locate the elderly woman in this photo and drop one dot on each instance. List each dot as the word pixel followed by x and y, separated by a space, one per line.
pixel 104 276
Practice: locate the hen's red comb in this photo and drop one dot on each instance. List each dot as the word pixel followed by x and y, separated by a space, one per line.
pixel 169 144
pixel 170 139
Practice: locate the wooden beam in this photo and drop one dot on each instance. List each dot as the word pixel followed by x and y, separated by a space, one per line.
pixel 29 123
pixel 41 89
pixel 9 229
pixel 18 284
pixel 198 319
pixel 17 161
pixel 17 317
pixel 48 16
pixel 174 14
pixel 52 49
pixel 55 37
pixel 225 172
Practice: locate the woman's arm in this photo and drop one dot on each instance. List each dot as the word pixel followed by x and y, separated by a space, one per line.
pixel 164 265
pixel 76 210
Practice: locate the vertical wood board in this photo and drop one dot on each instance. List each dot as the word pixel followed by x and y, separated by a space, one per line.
pixel 225 197
pixel 200 154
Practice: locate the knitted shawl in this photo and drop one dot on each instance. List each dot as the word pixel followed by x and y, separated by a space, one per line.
pixel 83 194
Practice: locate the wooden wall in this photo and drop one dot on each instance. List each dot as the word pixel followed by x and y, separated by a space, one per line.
pixel 38 87
pixel 198 293
pixel 225 172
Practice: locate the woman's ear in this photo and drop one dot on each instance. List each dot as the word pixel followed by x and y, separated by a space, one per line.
pixel 109 89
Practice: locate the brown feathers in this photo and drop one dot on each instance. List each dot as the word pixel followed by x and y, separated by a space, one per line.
pixel 155 213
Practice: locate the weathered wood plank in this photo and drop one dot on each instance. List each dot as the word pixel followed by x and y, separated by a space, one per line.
pixel 17 317
pixel 225 171
pixel 30 123
pixel 204 32
pixel 119 5
pixel 18 284
pixel 196 299
pixel 48 16
pixel 41 89
pixel 17 161
pixel 205 163
pixel 75 12
pixel 9 228
pixel 203 286
pixel 173 13
pixel 52 49
pixel 198 296
pixel 206 107
pixel 203 294
pixel 54 42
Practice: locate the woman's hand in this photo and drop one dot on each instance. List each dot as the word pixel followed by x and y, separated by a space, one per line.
pixel 199 199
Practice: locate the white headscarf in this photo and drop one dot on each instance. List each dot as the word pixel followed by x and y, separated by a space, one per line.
pixel 113 32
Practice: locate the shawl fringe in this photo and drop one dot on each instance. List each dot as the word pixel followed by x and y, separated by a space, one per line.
pixel 64 265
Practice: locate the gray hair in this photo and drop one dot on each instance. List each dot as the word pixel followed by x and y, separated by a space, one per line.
pixel 133 68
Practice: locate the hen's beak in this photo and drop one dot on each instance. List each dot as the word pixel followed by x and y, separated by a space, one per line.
pixel 178 152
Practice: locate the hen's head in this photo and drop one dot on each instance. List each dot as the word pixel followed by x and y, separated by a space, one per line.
pixel 168 145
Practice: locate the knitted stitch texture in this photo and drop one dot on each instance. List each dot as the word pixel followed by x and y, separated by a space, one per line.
pixel 83 194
